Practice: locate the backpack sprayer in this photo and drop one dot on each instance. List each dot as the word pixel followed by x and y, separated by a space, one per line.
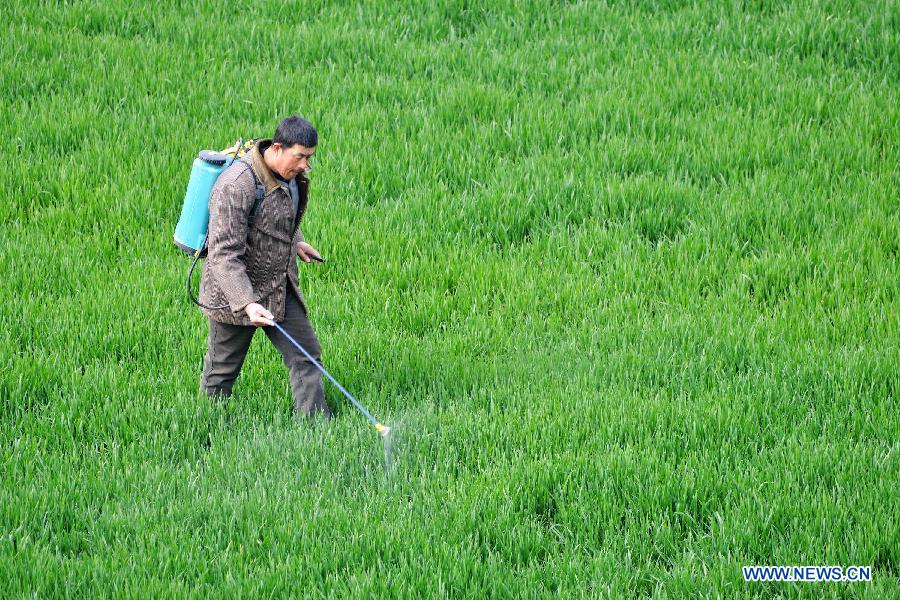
pixel 192 235
pixel 192 231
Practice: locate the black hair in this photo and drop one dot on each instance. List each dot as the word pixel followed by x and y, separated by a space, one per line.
pixel 296 130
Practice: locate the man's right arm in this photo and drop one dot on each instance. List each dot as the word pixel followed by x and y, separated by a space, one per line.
pixel 229 208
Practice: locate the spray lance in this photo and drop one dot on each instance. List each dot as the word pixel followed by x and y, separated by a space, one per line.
pixel 192 234
pixel 382 429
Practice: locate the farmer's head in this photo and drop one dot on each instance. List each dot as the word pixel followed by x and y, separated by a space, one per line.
pixel 292 147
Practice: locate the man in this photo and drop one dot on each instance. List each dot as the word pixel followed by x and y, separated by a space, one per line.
pixel 252 268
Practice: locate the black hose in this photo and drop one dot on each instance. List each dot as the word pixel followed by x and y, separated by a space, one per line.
pixel 190 273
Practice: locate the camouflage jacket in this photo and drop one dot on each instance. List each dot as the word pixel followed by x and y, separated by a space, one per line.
pixel 251 263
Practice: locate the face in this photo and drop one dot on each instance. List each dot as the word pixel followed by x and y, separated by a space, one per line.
pixel 293 160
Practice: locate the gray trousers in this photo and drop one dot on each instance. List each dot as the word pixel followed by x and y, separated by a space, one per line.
pixel 227 347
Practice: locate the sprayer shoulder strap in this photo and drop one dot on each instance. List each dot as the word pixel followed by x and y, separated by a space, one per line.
pixel 260 194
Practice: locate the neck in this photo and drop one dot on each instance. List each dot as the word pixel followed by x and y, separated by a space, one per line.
pixel 269 158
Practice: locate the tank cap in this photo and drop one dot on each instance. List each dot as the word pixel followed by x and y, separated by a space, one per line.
pixel 213 157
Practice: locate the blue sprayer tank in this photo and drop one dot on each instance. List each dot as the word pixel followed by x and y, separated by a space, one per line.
pixel 190 234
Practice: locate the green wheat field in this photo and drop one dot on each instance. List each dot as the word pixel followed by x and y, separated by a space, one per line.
pixel 622 276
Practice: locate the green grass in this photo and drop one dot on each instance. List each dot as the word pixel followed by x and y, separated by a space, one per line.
pixel 623 276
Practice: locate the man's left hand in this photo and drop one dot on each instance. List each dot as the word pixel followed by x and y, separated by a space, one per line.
pixel 307 253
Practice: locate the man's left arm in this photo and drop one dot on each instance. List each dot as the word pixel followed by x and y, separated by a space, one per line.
pixel 305 251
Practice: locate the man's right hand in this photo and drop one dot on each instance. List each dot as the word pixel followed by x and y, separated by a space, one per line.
pixel 258 314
